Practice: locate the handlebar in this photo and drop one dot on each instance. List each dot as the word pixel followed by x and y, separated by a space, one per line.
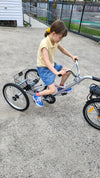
pixel 96 79
pixel 78 73
pixel 78 70
pixel 59 75
pixel 70 70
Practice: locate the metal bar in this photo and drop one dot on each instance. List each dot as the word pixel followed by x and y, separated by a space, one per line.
pixel 22 82
pixel 82 16
pixel 77 80
pixel 61 10
pixel 71 15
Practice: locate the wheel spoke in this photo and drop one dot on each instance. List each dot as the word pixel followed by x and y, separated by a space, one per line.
pixel 15 97
pixel 34 80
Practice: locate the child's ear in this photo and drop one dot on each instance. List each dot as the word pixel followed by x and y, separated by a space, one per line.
pixel 53 33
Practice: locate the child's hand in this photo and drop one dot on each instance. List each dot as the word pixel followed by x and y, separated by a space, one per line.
pixel 75 58
pixel 61 72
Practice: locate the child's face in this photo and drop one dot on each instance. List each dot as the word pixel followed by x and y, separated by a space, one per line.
pixel 57 37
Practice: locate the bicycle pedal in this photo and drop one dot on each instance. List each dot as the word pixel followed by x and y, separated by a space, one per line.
pixel 46 97
pixel 64 94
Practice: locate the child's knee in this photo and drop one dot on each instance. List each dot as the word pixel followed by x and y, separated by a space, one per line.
pixel 52 90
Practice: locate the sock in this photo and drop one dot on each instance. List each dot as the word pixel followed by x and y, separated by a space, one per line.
pixel 37 94
pixel 60 85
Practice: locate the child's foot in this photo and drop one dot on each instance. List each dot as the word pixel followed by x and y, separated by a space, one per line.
pixel 38 100
pixel 66 91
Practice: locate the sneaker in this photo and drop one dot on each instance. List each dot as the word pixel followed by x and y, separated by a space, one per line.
pixel 38 100
pixel 66 91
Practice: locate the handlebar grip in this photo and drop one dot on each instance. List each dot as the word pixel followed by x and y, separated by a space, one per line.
pixel 96 79
pixel 59 75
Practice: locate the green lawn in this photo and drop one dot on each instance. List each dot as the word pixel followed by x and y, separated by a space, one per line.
pixel 44 19
pixel 84 29
pixel 75 27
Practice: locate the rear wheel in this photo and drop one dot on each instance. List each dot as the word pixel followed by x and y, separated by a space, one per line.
pixel 34 80
pixel 15 97
pixel 91 112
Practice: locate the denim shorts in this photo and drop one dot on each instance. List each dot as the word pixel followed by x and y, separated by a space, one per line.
pixel 46 75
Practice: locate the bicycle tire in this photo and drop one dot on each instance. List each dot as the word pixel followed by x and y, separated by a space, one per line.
pixel 15 97
pixel 91 112
pixel 33 77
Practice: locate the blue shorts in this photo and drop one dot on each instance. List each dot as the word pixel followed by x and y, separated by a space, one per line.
pixel 46 75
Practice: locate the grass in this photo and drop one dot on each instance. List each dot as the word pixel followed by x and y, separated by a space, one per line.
pixel 73 26
pixel 44 19
pixel 26 24
pixel 84 29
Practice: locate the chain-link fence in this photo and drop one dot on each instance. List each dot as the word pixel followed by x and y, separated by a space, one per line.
pixel 80 17
pixel 84 18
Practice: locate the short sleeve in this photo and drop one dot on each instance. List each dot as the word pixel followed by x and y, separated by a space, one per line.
pixel 43 44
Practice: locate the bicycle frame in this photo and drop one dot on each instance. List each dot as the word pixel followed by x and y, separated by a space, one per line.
pixel 77 79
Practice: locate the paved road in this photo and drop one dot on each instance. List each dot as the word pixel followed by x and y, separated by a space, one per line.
pixel 54 141
pixel 34 23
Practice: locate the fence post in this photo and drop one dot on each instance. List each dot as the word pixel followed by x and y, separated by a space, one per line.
pixel 82 16
pixel 61 10
pixel 30 6
pixel 71 14
pixel 30 14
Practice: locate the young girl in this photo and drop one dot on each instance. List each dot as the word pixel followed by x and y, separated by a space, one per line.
pixel 47 68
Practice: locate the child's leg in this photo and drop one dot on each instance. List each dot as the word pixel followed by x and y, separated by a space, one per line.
pixel 37 96
pixel 65 76
pixel 50 90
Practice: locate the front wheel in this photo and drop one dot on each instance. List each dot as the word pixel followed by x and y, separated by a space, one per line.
pixel 15 97
pixel 91 112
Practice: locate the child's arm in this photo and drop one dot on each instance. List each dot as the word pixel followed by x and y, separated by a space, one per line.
pixel 64 51
pixel 48 63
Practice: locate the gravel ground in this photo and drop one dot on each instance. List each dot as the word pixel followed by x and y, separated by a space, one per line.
pixel 54 141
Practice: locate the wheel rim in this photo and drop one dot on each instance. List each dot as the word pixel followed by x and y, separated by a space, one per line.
pixel 93 114
pixel 33 77
pixel 15 97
